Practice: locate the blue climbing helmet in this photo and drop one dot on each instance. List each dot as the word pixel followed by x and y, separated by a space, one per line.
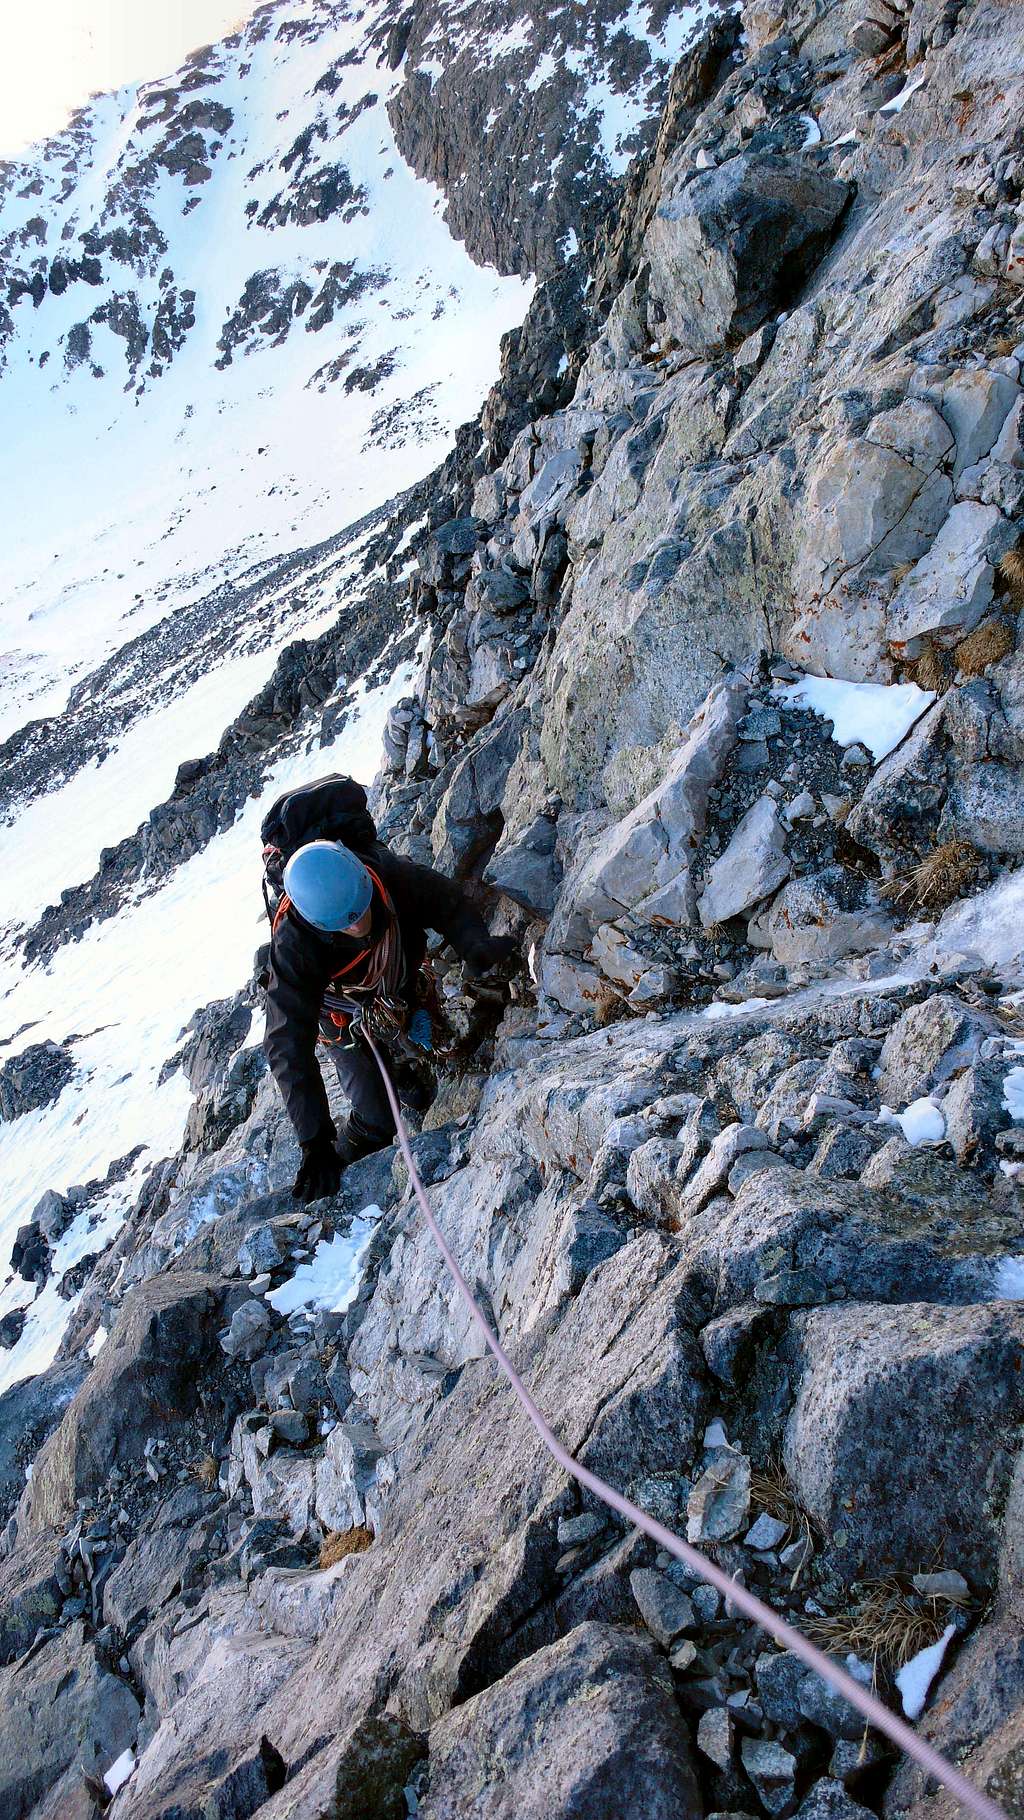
pixel 328 885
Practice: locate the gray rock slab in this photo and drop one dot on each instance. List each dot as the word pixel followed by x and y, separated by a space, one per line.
pixel 753 865
pixel 883 1388
pixel 58 1710
pixel 345 1473
pixel 808 922
pixel 717 245
pixel 564 1726
pixel 648 855
pixel 927 1044
pixel 950 587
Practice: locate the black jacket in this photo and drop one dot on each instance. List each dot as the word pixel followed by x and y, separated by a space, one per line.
pixel 302 962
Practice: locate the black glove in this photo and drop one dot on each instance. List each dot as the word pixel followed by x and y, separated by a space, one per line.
pixel 490 952
pixel 320 1169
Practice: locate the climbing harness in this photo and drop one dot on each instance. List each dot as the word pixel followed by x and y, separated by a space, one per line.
pixel 746 1602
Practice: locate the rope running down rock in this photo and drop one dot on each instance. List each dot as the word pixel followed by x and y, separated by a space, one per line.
pixel 784 1634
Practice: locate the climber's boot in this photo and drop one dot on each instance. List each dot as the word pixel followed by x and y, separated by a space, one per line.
pixel 355 1140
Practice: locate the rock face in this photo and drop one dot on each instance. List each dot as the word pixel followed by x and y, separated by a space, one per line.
pixel 587 1697
pixel 885 1388
pixel 74 1711
pixel 144 1379
pixel 734 242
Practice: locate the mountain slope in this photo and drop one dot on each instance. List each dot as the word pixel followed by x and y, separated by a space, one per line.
pixel 699 663
pixel 237 332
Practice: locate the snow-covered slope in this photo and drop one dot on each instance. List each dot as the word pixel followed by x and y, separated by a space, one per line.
pixel 244 325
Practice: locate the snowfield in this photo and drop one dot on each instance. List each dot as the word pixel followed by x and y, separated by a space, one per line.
pixel 127 495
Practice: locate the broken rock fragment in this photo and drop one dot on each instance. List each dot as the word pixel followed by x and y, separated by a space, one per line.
pixel 719 1504
pixel 753 865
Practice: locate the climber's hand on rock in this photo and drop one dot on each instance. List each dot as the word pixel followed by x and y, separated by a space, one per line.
pixel 492 952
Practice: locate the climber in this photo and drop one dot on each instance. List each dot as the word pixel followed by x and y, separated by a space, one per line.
pixel 351 930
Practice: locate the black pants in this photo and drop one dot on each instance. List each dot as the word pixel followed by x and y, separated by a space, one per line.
pixel 364 1089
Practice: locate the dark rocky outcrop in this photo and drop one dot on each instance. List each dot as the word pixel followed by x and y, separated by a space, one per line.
pixel 35 1077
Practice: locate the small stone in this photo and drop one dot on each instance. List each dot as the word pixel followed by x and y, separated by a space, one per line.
pixel 683 1655
pixel 801 807
pixel 719 1503
pixel 836 807
pixel 259 1285
pixel 714 1736
pixel 248 1333
pixel 574 1530
pixel 778 1676
pixel 566 1563
pixel 825 1108
pixel 761 723
pixel 339 1385
pixel 945 1585
pixel 855 758
pixel 828 1800
pixel 663 1607
pixel 766 1532
pixel 824 1707
pixel 307 1386
pixel 850 1759
pixel 798 1553
pixel 772 1770
pixel 843 1152
pixel 289 1425
pixel 259 1252
pixel 706 1603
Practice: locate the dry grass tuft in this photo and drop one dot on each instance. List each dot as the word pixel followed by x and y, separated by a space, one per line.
pixel 933 670
pixel 338 1543
pixel 1011 574
pixel 889 1624
pixel 207 1472
pixel 770 1491
pixel 938 880
pixel 984 646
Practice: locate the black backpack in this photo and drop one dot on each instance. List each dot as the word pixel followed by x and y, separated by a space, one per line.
pixel 332 808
